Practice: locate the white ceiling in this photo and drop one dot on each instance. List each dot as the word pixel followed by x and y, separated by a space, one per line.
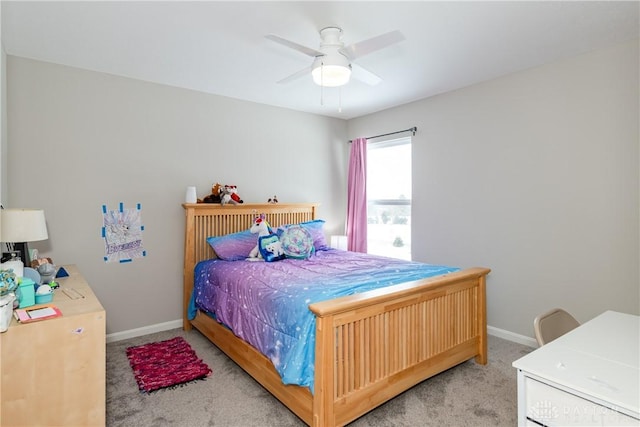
pixel 219 47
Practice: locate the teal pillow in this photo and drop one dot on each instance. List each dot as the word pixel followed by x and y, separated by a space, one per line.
pixel 316 229
pixel 296 242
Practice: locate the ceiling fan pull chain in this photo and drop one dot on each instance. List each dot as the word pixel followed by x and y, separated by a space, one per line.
pixel 322 83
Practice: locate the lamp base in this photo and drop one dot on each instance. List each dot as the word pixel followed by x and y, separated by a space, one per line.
pixel 24 252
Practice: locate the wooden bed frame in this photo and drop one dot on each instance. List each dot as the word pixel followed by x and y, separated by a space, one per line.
pixel 370 347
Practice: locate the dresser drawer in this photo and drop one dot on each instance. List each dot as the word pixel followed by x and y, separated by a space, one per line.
pixel 552 407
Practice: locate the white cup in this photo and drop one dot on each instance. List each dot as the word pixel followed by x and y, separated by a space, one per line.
pixel 6 310
pixel 191 196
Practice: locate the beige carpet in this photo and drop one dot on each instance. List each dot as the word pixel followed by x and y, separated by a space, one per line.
pixel 467 395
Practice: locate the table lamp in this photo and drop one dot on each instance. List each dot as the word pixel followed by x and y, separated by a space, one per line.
pixel 19 226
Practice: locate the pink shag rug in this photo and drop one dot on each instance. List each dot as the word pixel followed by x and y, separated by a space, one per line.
pixel 165 364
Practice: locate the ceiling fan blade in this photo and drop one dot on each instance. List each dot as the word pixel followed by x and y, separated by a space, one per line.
pixel 294 45
pixel 365 75
pixel 365 47
pixel 295 76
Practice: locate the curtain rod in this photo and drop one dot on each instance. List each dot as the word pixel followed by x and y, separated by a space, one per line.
pixel 412 130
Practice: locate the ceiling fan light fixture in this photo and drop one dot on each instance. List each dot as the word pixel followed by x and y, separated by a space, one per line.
pixel 331 75
pixel 332 60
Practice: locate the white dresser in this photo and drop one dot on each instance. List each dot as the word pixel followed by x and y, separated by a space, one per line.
pixel 587 377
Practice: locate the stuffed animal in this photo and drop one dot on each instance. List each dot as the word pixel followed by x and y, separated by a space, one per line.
pixel 234 194
pixel 225 196
pixel 260 227
pixel 229 194
pixel 273 201
pixel 214 197
pixel 275 248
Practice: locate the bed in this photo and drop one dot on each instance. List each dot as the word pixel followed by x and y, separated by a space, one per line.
pixel 369 347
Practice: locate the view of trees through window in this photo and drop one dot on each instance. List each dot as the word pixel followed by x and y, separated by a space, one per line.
pixel 389 198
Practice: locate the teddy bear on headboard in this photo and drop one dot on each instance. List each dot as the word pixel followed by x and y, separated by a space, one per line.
pixel 214 197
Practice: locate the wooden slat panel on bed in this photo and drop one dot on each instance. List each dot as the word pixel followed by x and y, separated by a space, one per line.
pixel 217 220
pixel 382 347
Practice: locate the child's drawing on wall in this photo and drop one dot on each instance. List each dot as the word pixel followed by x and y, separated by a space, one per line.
pixel 122 233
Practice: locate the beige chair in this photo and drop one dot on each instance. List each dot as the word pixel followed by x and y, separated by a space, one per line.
pixel 553 324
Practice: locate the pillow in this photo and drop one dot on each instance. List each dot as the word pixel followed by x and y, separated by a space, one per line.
pixel 234 246
pixel 296 242
pixel 270 248
pixel 316 228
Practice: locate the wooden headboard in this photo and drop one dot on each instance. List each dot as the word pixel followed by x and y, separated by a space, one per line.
pixel 207 219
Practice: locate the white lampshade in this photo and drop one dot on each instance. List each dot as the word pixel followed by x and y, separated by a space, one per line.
pixel 22 225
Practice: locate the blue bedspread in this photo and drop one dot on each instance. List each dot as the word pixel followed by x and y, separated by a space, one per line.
pixel 266 303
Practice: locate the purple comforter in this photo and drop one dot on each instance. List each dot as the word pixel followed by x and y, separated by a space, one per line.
pixel 266 303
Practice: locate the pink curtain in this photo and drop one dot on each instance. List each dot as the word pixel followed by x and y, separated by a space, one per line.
pixel 357 197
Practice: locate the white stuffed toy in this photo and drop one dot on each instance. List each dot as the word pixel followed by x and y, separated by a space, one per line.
pixel 260 227
pixel 229 194
pixel 275 248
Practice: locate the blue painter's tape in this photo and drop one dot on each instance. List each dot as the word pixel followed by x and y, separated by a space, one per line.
pixel 144 253
pixel 104 232
pixel 142 227
pixel 121 207
pixel 126 260
pixel 139 206
pixel 104 208
pixel 105 259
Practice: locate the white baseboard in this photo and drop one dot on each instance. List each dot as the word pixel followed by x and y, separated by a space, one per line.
pixel 512 336
pixel 174 324
pixel 145 330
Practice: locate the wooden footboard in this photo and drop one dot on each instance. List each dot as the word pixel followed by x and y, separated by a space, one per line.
pixel 371 346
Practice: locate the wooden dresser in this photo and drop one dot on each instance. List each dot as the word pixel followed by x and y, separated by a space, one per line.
pixel 53 372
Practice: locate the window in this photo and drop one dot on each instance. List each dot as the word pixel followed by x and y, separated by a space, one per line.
pixel 389 198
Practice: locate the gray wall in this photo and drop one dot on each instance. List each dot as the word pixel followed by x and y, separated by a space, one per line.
pixel 3 124
pixel 534 175
pixel 3 117
pixel 80 139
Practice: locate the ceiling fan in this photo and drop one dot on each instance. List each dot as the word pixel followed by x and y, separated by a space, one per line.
pixel 333 61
